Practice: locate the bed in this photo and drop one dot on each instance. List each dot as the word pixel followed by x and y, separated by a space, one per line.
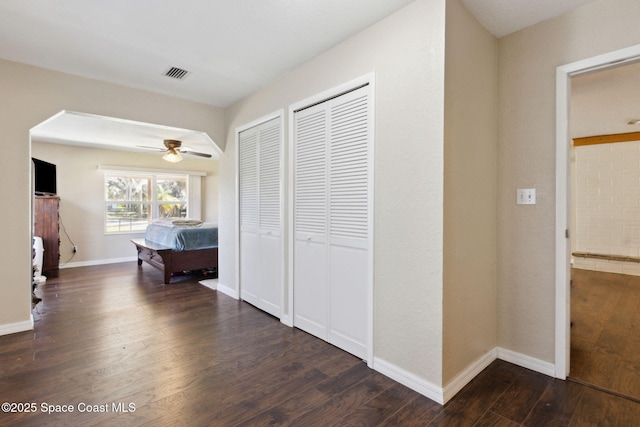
pixel 174 246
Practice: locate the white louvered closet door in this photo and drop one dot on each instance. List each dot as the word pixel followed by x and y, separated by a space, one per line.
pixel 311 264
pixel 332 220
pixel 260 216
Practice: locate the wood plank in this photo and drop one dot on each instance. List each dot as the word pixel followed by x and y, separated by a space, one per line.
pixel 340 403
pixel 605 336
pixel 628 413
pixel 607 257
pixel 419 411
pixel 516 402
pixel 557 405
pixel 596 409
pixel 491 419
pixel 379 408
pixel 606 139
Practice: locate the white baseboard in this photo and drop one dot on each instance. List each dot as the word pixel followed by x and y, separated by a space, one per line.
pixel 525 361
pixel 209 283
pixel 469 373
pixel 410 380
pixel 12 328
pixel 98 262
pixel 233 293
pixel 287 320
pixel 443 395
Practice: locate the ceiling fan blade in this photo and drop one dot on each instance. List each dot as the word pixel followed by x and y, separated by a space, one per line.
pixel 151 148
pixel 175 146
pixel 195 153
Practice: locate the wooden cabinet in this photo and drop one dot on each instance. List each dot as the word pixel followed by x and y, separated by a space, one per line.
pixel 47 226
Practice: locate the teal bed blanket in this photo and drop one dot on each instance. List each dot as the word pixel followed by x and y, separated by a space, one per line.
pixel 184 236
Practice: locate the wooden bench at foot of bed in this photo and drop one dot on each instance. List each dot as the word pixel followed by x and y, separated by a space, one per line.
pixel 169 261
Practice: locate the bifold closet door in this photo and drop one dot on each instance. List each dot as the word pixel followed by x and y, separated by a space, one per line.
pixel 260 216
pixel 332 220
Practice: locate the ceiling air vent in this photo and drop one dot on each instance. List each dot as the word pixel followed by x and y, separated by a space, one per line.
pixel 176 73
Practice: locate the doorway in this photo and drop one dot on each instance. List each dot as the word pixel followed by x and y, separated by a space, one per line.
pixel 565 74
pixel 605 239
pixel 84 147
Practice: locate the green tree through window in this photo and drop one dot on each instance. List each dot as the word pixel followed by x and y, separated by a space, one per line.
pixel 132 201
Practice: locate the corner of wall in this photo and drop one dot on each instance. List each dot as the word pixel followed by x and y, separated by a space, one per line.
pixel 470 197
pixel 12 328
pixel 420 385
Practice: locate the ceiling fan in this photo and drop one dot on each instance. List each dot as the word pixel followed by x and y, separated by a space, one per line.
pixel 174 150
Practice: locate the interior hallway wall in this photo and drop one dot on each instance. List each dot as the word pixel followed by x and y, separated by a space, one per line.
pixel 526 159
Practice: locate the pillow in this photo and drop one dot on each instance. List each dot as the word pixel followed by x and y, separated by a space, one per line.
pixel 177 222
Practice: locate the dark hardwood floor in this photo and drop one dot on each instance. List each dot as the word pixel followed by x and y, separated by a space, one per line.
pixel 182 354
pixel 605 336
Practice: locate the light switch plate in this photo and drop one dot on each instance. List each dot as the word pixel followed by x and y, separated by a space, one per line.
pixel 526 196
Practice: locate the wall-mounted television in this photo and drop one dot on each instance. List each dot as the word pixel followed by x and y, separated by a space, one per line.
pixel 44 178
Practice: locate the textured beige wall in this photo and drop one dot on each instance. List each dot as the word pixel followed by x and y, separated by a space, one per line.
pixel 526 158
pixel 32 95
pixel 406 52
pixel 81 191
pixel 470 157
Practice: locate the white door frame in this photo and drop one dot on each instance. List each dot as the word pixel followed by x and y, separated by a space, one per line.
pixel 563 145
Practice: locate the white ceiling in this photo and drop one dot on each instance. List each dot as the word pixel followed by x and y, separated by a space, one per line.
pixel 602 102
pixel 74 128
pixel 231 48
pixel 502 17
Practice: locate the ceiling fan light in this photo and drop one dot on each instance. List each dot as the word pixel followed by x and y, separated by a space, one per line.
pixel 172 156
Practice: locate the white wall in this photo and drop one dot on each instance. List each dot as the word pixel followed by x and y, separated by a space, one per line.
pixel 526 159
pixel 81 190
pixel 36 94
pixel 406 53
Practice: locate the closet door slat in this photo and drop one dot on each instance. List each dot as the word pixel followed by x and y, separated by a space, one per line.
pixel 348 171
pixel 248 179
pixel 311 172
pixel 269 187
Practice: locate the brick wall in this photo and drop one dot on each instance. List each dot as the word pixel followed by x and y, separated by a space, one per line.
pixel 606 199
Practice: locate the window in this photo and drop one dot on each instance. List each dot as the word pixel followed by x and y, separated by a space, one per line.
pixel 133 200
